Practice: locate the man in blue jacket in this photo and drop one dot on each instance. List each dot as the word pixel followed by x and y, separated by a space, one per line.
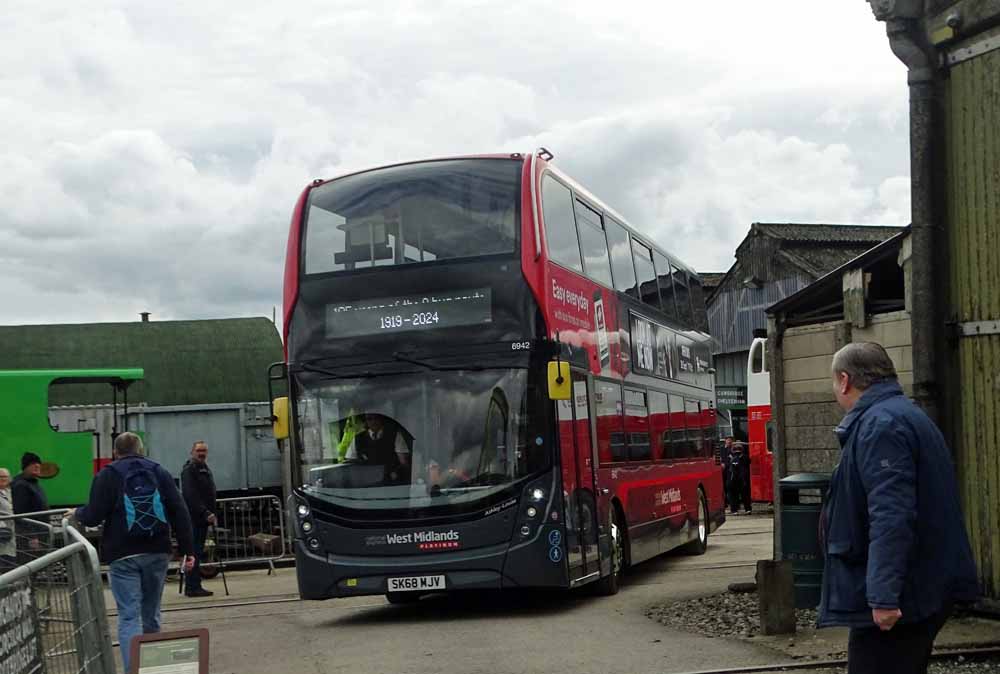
pixel 897 555
pixel 138 504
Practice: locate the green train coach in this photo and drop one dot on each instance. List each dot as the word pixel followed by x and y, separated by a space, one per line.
pixel 68 458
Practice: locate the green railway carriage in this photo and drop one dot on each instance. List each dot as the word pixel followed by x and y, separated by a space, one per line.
pixel 69 461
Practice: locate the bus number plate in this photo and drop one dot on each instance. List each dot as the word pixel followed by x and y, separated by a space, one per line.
pixel 416 584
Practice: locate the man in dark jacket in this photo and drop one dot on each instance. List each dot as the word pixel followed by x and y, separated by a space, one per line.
pixel 28 497
pixel 25 490
pixel 135 543
pixel 896 551
pixel 198 487
pixel 739 478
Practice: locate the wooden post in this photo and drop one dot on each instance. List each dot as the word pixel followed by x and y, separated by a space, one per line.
pixel 779 468
pixel 776 596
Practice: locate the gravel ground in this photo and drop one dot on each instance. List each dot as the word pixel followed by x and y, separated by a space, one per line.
pixel 736 615
pixel 721 615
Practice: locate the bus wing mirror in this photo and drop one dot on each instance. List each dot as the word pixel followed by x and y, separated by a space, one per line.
pixel 280 418
pixel 559 381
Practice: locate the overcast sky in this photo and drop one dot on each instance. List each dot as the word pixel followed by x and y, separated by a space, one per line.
pixel 151 152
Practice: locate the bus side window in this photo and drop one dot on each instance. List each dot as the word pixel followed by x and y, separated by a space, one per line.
pixel 692 417
pixel 610 430
pixel 560 225
pixel 596 262
pixel 666 284
pixel 645 273
pixel 682 297
pixel 621 257
pixel 678 431
pixel 708 429
pixel 659 425
pixel 757 362
pixel 637 425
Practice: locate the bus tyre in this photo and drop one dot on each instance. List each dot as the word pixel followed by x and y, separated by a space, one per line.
pixel 699 544
pixel 402 597
pixel 610 584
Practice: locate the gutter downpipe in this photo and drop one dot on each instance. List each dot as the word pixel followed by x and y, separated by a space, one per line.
pixel 908 42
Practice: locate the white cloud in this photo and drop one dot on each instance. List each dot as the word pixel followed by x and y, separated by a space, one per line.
pixel 151 153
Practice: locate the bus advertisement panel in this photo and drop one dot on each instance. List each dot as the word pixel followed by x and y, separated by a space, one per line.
pixel 424 305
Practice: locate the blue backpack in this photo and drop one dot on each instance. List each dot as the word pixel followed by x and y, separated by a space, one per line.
pixel 141 500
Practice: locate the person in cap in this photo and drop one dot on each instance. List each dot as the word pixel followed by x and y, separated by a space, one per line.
pixel 27 493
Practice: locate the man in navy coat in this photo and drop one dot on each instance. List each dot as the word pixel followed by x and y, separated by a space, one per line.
pixel 897 555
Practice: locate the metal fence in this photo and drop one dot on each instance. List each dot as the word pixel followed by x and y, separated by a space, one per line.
pixel 52 613
pixel 248 530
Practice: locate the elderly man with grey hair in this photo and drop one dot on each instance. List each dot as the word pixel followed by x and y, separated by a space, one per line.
pixel 897 556
pixel 8 546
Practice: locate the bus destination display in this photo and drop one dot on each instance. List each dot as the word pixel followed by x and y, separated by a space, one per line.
pixel 427 311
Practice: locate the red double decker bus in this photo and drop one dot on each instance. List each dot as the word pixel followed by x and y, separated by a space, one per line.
pixel 759 428
pixel 494 382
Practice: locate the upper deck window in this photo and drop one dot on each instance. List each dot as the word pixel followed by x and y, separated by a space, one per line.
pixel 560 228
pixel 413 213
pixel 621 258
pixel 593 243
pixel 645 273
pixel 666 285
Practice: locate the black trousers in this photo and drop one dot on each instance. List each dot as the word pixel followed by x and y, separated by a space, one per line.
pixel 905 649
pixel 193 580
pixel 739 493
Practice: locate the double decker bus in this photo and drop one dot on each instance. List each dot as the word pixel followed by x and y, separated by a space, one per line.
pixel 759 429
pixel 494 382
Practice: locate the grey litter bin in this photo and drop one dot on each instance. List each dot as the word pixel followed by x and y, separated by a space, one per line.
pixel 802 496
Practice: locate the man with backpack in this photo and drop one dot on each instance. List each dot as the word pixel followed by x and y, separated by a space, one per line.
pixel 138 504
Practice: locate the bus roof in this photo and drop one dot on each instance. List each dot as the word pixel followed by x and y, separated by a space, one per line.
pixel 110 376
pixel 547 165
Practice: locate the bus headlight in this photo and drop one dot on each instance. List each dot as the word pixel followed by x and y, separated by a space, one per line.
pixel 303 510
pixel 532 511
pixel 307 526
pixel 538 494
pixel 525 530
pixel 314 543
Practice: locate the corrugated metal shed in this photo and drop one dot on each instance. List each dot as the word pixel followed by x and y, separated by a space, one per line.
pixel 186 362
pixel 774 261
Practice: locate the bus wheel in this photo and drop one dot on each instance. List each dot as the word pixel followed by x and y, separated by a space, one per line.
pixel 402 597
pixel 700 544
pixel 611 583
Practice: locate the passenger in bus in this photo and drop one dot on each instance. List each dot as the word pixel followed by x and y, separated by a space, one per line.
pixel 383 443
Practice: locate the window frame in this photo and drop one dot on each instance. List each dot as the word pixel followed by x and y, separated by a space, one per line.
pixel 578 203
pixel 549 175
pixel 635 241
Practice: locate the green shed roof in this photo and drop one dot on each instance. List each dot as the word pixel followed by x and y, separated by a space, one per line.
pixel 185 362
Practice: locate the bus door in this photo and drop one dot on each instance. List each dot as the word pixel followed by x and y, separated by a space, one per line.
pixel 576 448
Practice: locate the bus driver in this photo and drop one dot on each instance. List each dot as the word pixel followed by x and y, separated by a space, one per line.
pixel 382 443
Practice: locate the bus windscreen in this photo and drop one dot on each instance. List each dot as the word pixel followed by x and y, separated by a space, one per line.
pixel 413 213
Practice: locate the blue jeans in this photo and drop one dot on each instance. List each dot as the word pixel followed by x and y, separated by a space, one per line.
pixel 137 585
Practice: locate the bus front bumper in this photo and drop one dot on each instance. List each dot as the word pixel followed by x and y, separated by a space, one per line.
pixel 326 576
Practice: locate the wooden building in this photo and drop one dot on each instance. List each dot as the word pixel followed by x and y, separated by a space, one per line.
pixel 774 261
pixel 951 49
